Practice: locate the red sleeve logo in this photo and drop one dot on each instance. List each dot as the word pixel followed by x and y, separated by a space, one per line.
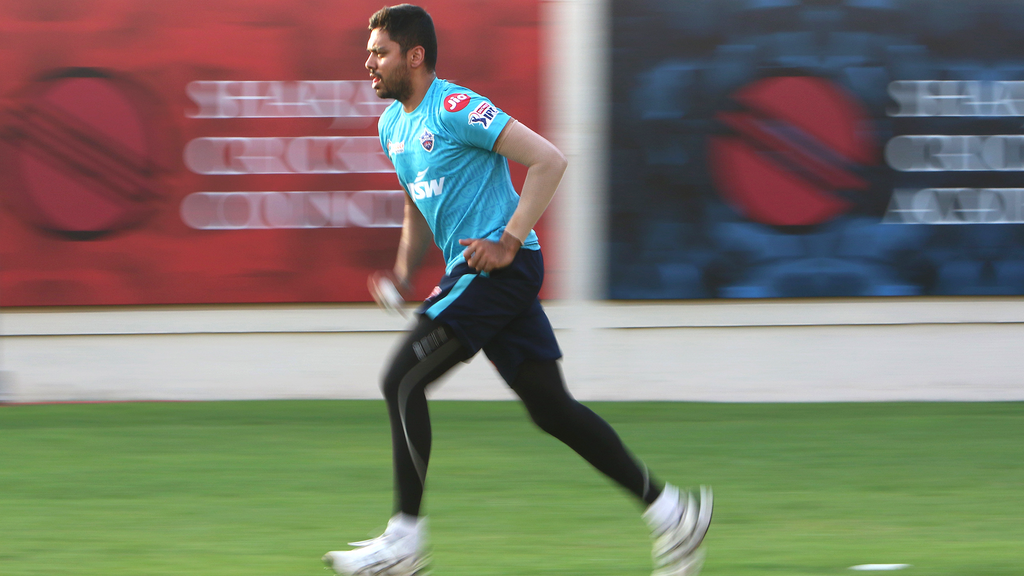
pixel 456 102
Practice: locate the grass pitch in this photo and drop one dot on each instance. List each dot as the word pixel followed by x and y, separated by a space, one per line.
pixel 265 488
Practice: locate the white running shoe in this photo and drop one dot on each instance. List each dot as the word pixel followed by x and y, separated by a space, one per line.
pixel 679 522
pixel 399 551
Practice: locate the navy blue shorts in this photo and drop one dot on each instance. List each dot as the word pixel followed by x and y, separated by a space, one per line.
pixel 498 312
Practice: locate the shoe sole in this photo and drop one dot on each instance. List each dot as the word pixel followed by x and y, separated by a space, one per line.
pixel 707 509
pixel 422 568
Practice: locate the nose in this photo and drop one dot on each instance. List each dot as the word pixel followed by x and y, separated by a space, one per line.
pixel 370 64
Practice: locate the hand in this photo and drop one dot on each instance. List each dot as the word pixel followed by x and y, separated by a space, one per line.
pixel 484 255
pixel 387 291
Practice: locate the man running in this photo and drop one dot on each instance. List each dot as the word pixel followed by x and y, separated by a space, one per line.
pixel 450 148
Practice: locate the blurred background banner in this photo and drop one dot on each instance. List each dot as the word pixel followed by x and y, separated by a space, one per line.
pixel 216 151
pixel 787 148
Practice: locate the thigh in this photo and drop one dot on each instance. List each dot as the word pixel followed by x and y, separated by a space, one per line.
pixel 528 336
pixel 428 351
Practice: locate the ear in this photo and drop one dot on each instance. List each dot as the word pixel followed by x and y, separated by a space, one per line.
pixel 415 56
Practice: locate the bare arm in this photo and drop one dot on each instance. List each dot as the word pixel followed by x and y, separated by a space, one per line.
pixel 545 166
pixel 416 238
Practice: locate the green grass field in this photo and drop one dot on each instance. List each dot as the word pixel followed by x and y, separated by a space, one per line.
pixel 264 488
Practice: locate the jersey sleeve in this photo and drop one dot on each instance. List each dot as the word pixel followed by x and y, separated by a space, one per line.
pixel 472 119
pixel 385 126
pixel 383 133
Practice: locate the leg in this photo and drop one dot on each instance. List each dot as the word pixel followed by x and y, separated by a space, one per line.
pixel 425 355
pixel 678 521
pixel 428 351
pixel 554 410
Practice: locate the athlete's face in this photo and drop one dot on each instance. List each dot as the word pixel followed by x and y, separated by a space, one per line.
pixel 389 69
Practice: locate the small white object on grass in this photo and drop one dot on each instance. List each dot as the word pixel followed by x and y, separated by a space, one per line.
pixel 879 566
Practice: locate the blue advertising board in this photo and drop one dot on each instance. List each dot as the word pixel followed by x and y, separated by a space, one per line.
pixel 787 148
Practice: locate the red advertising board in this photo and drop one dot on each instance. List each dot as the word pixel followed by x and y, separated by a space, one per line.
pixel 216 151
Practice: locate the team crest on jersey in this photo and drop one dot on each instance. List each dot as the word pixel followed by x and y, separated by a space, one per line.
pixel 396 147
pixel 483 115
pixel 427 140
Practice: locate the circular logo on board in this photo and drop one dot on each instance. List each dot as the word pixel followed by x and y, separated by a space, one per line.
pixel 82 152
pixel 792 152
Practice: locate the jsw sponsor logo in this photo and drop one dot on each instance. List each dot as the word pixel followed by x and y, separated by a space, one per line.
pixel 421 188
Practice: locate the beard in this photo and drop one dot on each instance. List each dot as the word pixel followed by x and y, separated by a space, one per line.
pixel 399 86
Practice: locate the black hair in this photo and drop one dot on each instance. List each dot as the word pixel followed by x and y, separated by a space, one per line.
pixel 409 26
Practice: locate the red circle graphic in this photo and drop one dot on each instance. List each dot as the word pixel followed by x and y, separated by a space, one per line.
pixel 80 153
pixel 794 145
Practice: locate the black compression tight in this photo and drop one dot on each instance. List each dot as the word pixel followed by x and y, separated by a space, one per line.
pixel 541 388
pixel 425 355
pixel 428 352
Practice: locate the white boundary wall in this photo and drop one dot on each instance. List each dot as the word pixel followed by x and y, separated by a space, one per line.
pixel 737 351
pixel 817 350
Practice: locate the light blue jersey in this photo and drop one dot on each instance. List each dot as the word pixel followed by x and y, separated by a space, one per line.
pixel 442 155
